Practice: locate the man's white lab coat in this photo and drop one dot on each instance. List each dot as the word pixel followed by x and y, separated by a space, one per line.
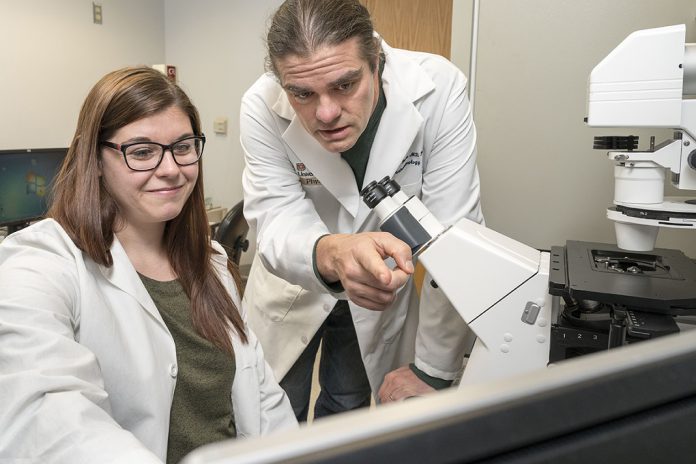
pixel 295 191
pixel 87 365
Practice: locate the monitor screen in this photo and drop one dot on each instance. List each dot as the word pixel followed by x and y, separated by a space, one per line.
pixel 26 177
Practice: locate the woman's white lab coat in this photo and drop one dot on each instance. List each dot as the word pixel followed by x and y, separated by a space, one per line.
pixel 295 191
pixel 88 367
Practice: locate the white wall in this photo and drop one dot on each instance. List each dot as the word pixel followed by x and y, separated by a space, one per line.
pixel 542 183
pixel 52 54
pixel 218 48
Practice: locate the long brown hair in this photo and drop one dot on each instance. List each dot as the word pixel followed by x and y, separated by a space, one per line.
pixel 83 206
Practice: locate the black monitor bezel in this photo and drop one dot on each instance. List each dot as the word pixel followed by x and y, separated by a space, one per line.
pixel 625 404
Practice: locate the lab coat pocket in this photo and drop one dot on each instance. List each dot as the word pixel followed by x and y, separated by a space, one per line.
pixel 270 295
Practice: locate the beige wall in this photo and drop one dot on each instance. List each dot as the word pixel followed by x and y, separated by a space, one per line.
pixel 52 53
pixel 218 48
pixel 541 181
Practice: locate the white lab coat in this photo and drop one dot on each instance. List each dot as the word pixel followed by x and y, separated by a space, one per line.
pixel 87 365
pixel 295 191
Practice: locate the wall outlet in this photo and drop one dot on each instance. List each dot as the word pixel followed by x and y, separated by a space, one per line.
pixel 220 125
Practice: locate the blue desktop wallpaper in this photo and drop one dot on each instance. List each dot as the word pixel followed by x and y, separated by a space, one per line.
pixel 25 182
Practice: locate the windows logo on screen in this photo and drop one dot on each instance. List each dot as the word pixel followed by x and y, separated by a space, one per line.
pixel 36 184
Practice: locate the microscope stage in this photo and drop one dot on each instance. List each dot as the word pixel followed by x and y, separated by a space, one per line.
pixel 661 280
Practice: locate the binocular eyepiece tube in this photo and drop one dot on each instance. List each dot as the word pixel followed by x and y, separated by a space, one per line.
pixel 404 217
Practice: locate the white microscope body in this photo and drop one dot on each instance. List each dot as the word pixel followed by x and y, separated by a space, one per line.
pixel 649 80
pixel 500 286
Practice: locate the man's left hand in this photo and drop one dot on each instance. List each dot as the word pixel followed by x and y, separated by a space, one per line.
pixel 401 384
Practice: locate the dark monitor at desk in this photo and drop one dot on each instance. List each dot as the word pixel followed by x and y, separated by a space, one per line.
pixel 26 178
pixel 634 404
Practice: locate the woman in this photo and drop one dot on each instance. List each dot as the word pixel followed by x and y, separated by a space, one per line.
pixel 120 335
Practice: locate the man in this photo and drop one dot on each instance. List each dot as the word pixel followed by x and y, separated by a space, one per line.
pixel 339 109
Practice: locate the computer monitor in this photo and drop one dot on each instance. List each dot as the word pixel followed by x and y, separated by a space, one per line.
pixel 26 177
pixel 636 404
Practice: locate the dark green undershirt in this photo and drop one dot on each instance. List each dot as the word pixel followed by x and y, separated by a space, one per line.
pixel 359 154
pixel 435 382
pixel 201 410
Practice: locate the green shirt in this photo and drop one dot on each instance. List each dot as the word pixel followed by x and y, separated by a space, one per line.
pixel 359 154
pixel 202 406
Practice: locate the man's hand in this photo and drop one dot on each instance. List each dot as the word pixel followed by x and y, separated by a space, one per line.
pixel 357 260
pixel 401 384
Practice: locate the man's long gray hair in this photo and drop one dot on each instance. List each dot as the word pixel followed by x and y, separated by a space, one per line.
pixel 300 27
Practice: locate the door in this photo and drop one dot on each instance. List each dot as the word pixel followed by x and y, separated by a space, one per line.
pixel 423 25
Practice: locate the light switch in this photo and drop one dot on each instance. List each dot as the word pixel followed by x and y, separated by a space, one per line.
pixel 220 125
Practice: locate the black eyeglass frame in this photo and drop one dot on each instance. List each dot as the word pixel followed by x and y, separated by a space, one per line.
pixel 123 147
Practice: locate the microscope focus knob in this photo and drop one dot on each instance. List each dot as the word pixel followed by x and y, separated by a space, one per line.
pixel 691 159
pixel 616 142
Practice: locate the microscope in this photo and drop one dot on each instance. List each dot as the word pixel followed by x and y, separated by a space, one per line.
pixel 632 291
pixel 529 308
pixel 498 285
pixel 649 80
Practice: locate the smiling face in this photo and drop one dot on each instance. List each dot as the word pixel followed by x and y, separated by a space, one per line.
pixel 149 198
pixel 332 91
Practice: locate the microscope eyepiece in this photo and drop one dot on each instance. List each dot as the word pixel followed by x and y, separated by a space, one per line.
pixel 373 193
pixel 390 185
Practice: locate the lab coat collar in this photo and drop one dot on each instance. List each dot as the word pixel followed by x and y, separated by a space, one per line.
pixel 403 72
pixel 404 83
pixel 123 275
pixel 282 105
pixel 328 167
